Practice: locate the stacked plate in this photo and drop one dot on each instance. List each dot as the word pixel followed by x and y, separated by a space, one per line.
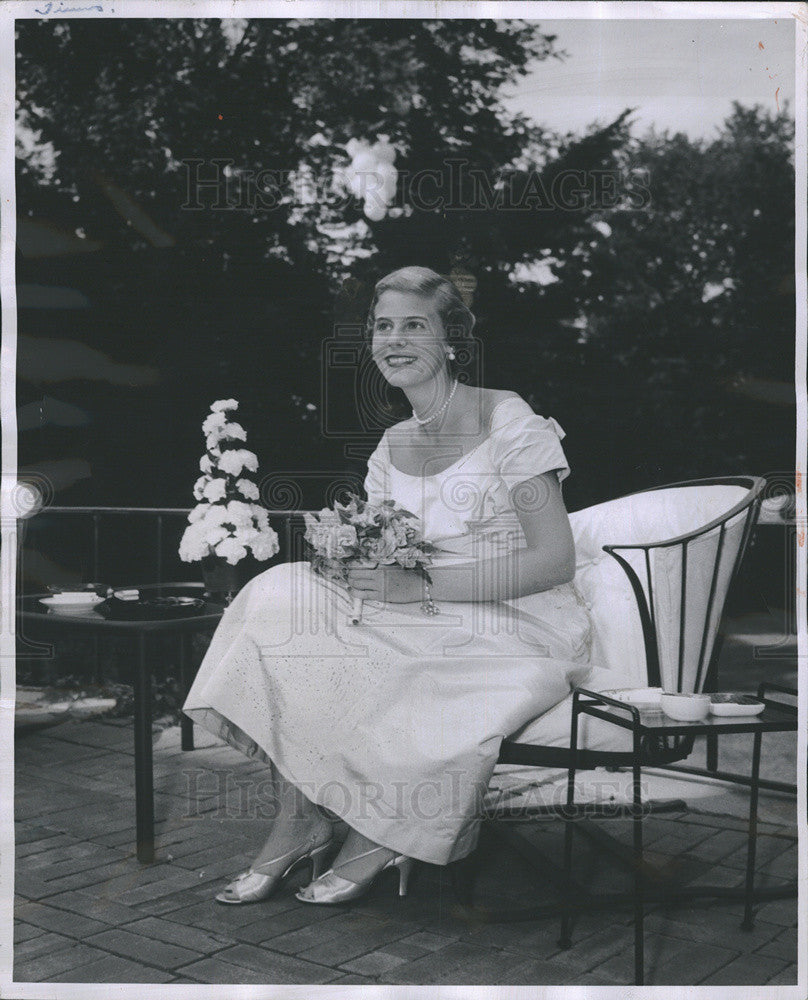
pixel 71 602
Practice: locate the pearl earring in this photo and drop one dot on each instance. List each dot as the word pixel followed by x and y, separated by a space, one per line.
pixel 451 355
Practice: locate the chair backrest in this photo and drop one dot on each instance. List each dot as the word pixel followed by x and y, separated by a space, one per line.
pixel 654 568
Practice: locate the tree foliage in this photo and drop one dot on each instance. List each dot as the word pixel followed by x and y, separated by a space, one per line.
pixel 655 309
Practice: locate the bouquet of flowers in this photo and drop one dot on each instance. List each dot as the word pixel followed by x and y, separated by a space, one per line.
pixel 359 533
pixel 226 522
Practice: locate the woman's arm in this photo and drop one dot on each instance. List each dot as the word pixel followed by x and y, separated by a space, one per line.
pixel 548 560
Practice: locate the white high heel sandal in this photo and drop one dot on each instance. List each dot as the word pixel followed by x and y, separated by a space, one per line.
pixel 254 885
pixel 331 888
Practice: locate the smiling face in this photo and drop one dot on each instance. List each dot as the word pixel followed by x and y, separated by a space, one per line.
pixel 409 342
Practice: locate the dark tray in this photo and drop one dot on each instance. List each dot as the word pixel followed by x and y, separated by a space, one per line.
pixel 150 608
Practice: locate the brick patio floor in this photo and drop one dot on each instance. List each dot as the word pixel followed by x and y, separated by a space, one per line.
pixel 87 911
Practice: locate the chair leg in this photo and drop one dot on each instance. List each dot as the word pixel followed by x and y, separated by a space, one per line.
pixel 751 846
pixel 565 938
pixel 712 752
pixel 639 886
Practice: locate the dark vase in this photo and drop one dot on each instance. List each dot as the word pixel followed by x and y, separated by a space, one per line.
pixel 224 580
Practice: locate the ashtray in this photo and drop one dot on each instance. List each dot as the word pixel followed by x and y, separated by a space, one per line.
pixel 150 609
pixel 730 703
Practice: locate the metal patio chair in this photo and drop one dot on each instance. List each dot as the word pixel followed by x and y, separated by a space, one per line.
pixel 655 568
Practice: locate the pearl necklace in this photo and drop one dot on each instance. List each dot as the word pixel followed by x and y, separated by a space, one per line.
pixel 438 413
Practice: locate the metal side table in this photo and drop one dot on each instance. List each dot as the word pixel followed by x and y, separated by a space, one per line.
pixel 36 621
pixel 648 725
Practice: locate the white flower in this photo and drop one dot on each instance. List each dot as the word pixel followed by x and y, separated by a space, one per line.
pixel 231 550
pixel 205 464
pixel 232 462
pixel 383 547
pixel 214 535
pixel 265 545
pixel 224 404
pixel 215 489
pixel 240 513
pixel 366 517
pixel 602 227
pixel 226 432
pixel 198 512
pixel 193 545
pixel 233 431
pixel 199 487
pixel 245 535
pixel 213 422
pixel 216 514
pixel 340 541
pixel 248 489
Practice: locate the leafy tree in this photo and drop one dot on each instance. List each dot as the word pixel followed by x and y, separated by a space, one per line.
pixel 638 322
pixel 239 301
pixel 689 301
pixel 128 101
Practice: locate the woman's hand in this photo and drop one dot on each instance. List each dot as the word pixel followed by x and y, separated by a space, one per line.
pixel 391 584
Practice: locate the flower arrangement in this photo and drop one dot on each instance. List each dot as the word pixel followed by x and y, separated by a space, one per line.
pixel 226 522
pixel 363 533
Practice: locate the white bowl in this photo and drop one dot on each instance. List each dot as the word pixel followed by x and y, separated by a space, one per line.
pixel 685 707
pixel 640 697
pixel 75 603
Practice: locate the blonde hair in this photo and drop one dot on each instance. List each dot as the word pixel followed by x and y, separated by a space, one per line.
pixel 457 319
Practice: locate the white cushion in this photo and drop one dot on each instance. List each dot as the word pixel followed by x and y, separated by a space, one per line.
pixel 617 641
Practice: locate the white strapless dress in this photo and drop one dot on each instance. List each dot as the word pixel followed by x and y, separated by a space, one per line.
pixel 395 724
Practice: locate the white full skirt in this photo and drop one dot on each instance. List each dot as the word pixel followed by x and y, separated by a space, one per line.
pixel 395 724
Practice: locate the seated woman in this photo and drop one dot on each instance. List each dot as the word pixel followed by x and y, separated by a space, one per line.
pixel 395 726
